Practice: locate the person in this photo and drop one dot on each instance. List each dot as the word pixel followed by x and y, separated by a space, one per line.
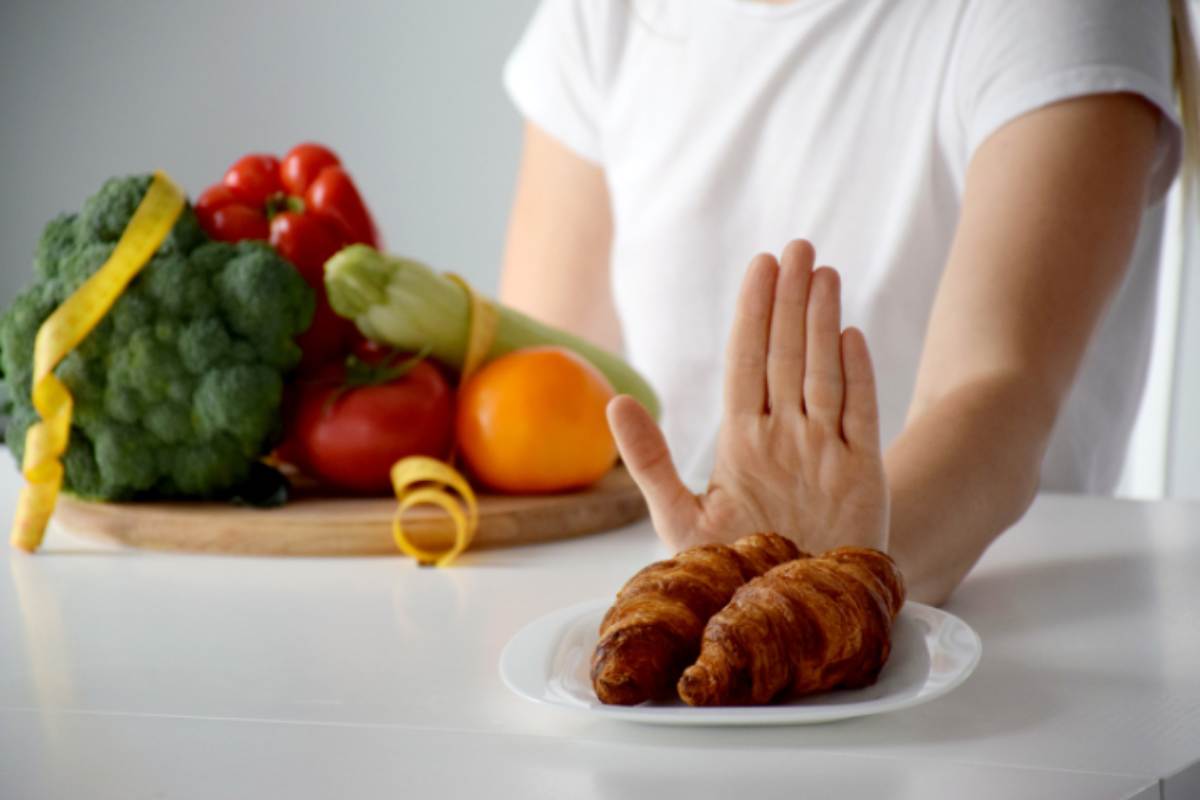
pixel 989 177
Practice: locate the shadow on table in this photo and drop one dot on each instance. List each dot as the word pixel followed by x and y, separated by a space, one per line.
pixel 748 773
pixel 1004 699
pixel 970 712
pixel 74 552
pixel 1035 597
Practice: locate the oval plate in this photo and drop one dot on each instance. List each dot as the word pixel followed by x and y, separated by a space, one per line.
pixel 933 651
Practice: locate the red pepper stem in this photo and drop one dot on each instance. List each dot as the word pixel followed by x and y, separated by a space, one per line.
pixel 281 202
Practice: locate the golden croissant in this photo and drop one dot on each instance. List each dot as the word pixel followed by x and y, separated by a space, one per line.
pixel 653 630
pixel 805 626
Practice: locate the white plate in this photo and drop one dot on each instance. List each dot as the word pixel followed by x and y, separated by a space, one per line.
pixel 548 662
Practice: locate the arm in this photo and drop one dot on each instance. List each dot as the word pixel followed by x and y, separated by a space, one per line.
pixel 1052 207
pixel 559 240
pixel 1050 213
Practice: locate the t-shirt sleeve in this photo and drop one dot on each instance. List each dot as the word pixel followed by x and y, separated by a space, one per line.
pixel 553 78
pixel 1021 55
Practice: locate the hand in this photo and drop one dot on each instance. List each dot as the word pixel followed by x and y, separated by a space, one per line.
pixel 798 450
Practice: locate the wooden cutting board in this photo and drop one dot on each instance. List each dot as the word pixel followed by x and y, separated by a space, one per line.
pixel 329 526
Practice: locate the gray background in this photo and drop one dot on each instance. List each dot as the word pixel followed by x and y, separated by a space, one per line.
pixel 409 94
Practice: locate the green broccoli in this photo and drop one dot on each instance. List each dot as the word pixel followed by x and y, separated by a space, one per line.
pixel 178 389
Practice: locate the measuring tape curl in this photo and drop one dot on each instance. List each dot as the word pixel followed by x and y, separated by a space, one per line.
pixel 421 480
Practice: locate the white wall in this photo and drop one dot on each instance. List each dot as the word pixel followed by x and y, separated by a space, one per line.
pixel 407 92
pixel 1164 451
pixel 1183 411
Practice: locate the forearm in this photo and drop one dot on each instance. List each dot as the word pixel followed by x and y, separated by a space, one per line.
pixel 576 302
pixel 965 468
pixel 1051 209
pixel 559 240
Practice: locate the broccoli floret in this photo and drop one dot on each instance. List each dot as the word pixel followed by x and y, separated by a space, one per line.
pixel 58 237
pixel 178 389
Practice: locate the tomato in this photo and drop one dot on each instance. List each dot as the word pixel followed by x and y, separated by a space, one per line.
pixel 302 164
pixel 254 179
pixel 350 436
pixel 334 195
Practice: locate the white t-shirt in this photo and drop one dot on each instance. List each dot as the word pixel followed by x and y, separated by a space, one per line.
pixel 726 128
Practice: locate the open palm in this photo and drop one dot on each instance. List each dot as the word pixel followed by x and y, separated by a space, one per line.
pixel 798 449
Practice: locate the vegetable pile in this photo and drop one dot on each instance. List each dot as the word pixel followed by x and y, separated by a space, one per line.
pixel 177 391
pixel 268 325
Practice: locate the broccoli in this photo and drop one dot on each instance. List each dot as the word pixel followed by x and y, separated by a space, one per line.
pixel 178 389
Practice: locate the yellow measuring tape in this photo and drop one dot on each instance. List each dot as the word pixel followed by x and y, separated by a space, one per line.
pixel 419 480
pixel 63 330
pixel 482 321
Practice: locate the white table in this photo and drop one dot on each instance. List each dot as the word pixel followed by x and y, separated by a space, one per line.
pixel 130 674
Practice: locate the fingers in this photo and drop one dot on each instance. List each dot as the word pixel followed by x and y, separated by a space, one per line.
pixel 645 453
pixel 824 386
pixel 786 349
pixel 860 417
pixel 785 358
pixel 746 357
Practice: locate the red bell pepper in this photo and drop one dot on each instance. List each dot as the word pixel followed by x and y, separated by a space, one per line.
pixel 308 208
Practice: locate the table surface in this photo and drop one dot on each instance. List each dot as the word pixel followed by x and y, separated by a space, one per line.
pixel 138 674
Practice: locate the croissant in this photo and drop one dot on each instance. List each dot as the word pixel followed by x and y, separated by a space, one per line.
pixel 806 626
pixel 653 630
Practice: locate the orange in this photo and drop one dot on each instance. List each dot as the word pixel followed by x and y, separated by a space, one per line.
pixel 533 421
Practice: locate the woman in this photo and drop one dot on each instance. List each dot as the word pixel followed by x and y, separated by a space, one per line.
pixel 988 175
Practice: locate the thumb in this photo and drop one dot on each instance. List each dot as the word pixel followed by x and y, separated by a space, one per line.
pixel 644 451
